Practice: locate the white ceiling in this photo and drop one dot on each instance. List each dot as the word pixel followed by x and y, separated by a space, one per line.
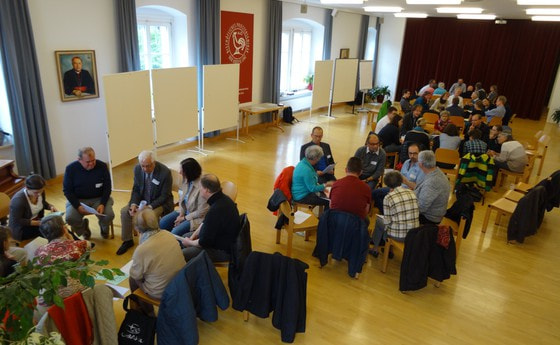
pixel 507 9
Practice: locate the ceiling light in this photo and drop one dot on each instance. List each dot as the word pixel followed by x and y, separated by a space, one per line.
pixel 543 11
pixel 382 9
pixel 342 2
pixel 411 15
pixel 545 18
pixel 459 10
pixel 477 16
pixel 539 2
pixel 433 2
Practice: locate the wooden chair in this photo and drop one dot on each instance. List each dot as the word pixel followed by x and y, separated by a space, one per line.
pixel 512 117
pixel 533 143
pixel 398 106
pixel 458 230
pixel 458 121
pixel 519 176
pixel 513 195
pixel 373 126
pixel 388 244
pixel 431 118
pixel 540 151
pixel 230 189
pixel 523 187
pixel 4 208
pixel 309 225
pixel 495 121
pixel 448 156
pixel 395 160
pixel 503 206
pixel 145 298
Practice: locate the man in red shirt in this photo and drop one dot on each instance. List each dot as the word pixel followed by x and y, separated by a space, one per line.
pixel 350 194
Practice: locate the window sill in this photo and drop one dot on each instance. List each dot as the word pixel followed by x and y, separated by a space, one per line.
pixel 297 94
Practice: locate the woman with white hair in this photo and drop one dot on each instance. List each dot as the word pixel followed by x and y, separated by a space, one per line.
pixel 305 184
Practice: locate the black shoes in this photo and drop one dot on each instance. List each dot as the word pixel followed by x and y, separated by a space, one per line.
pixel 124 247
pixel 87 231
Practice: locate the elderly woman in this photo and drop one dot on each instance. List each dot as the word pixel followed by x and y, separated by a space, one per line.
pixel 27 207
pixel 192 206
pixel 305 182
pixel 157 259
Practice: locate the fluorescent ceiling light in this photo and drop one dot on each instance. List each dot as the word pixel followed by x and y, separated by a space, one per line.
pixel 546 18
pixel 459 10
pixel 543 11
pixel 342 2
pixel 382 9
pixel 433 2
pixel 411 15
pixel 539 2
pixel 477 16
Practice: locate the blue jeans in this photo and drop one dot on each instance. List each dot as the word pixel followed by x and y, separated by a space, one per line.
pixel 168 221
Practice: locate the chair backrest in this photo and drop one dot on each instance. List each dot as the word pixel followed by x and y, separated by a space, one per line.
pixel 457 121
pixel 286 210
pixel 458 230
pixel 230 189
pixel 4 205
pixel 544 140
pixel 495 121
pixel 431 118
pixel 529 167
pixel 447 156
pixel 373 126
pixel 398 106
pixel 177 179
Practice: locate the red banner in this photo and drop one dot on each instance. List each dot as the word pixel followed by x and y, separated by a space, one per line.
pixel 236 39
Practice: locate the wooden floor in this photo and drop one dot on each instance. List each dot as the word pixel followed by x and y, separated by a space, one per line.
pixel 502 294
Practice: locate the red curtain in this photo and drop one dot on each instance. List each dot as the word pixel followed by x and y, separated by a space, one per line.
pixel 521 57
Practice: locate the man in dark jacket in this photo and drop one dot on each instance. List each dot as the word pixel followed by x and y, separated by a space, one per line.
pixel 325 161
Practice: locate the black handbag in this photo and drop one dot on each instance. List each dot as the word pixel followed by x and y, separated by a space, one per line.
pixel 137 327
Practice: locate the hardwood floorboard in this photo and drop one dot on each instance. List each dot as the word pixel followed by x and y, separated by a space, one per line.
pixel 501 294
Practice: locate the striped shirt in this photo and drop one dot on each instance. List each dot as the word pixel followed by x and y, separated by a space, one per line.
pixel 401 212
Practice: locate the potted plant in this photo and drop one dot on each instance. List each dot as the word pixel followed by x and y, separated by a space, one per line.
pixel 556 116
pixel 309 80
pixel 19 290
pixel 379 92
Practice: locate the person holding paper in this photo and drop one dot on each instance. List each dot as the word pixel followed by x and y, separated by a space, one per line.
pixel 373 160
pixel 349 194
pixel 87 181
pixel 401 212
pixel 305 185
pixel 325 166
pixel 152 184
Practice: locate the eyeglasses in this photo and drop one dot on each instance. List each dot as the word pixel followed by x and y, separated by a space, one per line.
pixel 413 153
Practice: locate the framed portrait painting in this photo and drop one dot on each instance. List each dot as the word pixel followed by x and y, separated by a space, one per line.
pixel 344 53
pixel 77 74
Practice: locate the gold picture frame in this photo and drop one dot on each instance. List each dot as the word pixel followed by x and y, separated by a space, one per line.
pixel 77 74
pixel 344 53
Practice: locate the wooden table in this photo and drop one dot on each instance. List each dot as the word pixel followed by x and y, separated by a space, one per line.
pixel 10 183
pixel 261 108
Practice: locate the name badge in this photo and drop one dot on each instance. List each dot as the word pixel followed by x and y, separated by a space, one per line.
pixel 373 163
pixel 412 176
pixel 329 156
pixel 156 182
pixel 98 185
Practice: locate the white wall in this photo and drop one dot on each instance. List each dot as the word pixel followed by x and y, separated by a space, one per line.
pixel 345 33
pixel 391 37
pixel 58 25
pixel 554 102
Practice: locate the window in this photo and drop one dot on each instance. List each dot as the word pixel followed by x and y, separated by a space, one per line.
pixel 296 58
pixel 5 120
pixel 154 42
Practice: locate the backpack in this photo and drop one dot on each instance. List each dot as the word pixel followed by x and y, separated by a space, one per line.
pixel 288 116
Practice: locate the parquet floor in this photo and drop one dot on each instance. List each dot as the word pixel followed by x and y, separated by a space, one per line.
pixel 502 294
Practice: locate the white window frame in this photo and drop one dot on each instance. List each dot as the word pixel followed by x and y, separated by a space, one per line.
pixel 291 31
pixel 156 20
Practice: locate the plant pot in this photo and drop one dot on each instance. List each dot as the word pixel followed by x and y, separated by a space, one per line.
pixel 380 98
pixel 309 86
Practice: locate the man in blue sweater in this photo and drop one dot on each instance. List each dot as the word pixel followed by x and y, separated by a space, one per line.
pixel 87 182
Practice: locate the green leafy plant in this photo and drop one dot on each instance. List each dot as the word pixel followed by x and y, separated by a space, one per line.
pixel 19 290
pixel 379 91
pixel 309 79
pixel 556 116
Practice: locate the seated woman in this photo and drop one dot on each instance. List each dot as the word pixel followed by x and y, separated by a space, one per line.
pixel 449 137
pixel 61 246
pixel 27 207
pixel 441 103
pixel 442 122
pixel 304 181
pixel 192 206
pixel 389 135
pixel 157 259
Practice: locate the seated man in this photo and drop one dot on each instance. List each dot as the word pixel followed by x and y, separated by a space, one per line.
pixel 499 111
pixel 455 95
pixel 391 112
pixel 326 160
pixel 373 161
pixel 349 194
pixel 433 191
pixel 219 230
pixel 409 119
pixel 152 184
pixel 475 145
pixel 476 122
pixel 512 156
pixel 305 184
pixel 87 181
pixel 455 109
pixel 410 173
pixel 459 84
pixel 401 212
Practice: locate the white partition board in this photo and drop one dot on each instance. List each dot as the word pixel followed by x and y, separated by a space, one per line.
pixel 345 74
pixel 129 115
pixel 322 83
pixel 175 104
pixel 366 74
pixel 221 97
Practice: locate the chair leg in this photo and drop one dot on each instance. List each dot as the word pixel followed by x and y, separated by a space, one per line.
pixel 498 218
pixel 458 245
pixel 306 233
pixel 541 164
pixel 289 244
pixel 486 218
pixel 278 235
pixel 245 315
pixel 112 231
pixel 386 255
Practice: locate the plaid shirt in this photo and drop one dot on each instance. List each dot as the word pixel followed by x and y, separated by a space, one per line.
pixel 475 146
pixel 401 212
